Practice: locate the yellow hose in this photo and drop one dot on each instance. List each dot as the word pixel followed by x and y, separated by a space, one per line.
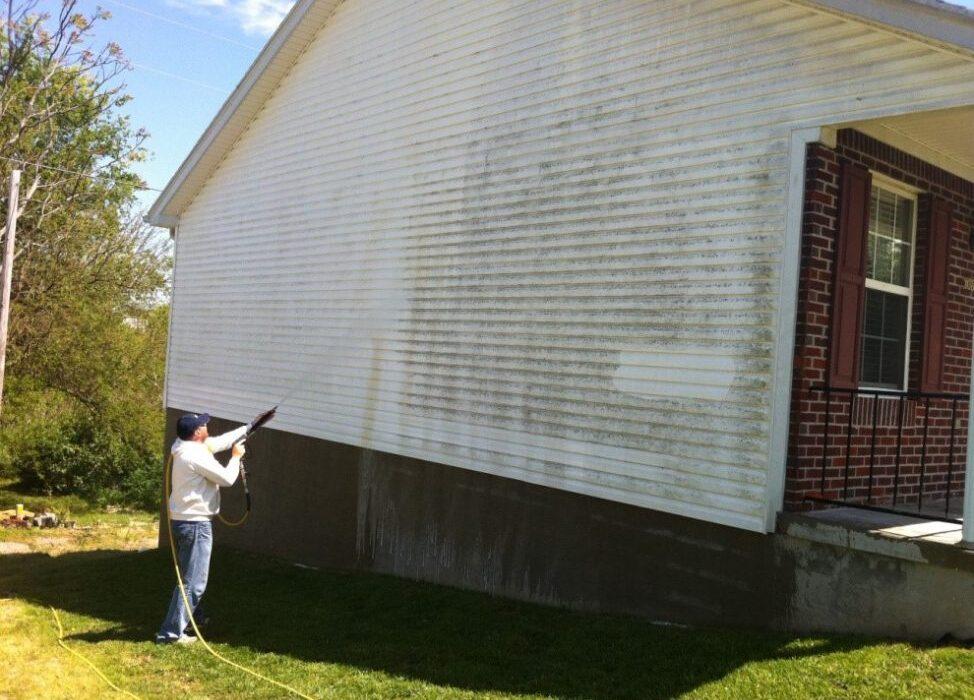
pixel 60 641
pixel 189 608
pixel 234 523
pixel 223 520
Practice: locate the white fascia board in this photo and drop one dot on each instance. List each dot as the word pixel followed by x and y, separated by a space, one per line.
pixel 160 213
pixel 162 220
pixel 948 26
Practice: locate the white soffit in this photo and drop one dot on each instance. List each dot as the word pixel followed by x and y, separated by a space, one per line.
pixel 941 23
pixel 944 138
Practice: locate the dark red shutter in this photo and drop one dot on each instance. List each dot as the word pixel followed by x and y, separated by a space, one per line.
pixel 849 277
pixel 935 296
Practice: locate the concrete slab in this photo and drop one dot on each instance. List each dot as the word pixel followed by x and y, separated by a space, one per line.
pixel 878 573
pixel 915 539
pixel 890 524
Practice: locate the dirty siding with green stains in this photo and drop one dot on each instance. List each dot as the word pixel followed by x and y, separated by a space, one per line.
pixel 540 240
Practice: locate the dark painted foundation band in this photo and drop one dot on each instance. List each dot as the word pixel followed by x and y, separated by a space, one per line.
pixel 328 504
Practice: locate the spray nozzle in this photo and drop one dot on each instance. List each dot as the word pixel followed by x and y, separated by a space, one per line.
pixel 257 423
pixel 261 420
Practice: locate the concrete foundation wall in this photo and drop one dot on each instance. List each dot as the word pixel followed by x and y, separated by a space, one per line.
pixel 326 504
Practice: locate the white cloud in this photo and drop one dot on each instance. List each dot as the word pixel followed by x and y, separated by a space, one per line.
pixel 255 16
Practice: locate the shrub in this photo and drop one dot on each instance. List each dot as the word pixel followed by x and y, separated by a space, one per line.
pixel 141 485
pixel 95 464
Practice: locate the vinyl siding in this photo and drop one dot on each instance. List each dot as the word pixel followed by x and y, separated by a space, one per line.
pixel 539 239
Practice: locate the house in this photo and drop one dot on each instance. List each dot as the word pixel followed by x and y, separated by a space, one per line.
pixel 652 307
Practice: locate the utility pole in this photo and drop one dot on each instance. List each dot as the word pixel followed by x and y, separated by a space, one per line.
pixel 6 278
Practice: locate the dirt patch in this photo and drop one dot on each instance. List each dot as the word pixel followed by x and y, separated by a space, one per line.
pixel 147 543
pixel 14 548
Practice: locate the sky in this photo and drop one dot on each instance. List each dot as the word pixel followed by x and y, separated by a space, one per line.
pixel 187 56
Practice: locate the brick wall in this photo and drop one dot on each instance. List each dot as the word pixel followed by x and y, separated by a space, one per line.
pixel 869 440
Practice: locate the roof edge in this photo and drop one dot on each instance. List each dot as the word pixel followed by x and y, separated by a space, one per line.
pixel 931 20
pixel 938 23
pixel 159 213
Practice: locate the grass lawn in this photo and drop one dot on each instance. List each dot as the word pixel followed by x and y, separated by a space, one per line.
pixel 349 635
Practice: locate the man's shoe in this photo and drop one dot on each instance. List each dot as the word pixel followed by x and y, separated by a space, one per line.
pixel 185 639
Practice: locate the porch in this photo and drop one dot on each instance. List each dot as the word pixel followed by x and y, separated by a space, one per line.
pixel 882 368
pixel 901 453
pixel 860 570
pixel 879 532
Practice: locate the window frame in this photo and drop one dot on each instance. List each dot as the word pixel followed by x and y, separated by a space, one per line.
pixel 903 190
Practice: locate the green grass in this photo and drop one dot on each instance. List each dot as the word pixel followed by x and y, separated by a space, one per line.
pixel 349 635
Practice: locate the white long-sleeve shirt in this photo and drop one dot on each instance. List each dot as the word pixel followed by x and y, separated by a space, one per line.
pixel 197 476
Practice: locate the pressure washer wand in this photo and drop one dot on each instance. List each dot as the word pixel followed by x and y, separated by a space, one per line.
pixel 255 425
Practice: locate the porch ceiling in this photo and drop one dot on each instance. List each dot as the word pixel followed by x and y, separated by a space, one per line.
pixel 944 138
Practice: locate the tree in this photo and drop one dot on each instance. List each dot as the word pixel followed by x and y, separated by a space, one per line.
pixel 87 332
pixel 59 104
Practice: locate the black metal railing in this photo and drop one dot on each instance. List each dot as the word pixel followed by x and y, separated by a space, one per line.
pixel 898 452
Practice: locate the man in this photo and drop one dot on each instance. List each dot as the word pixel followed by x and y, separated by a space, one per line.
pixel 196 480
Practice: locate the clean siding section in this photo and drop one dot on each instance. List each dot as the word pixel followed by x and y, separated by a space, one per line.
pixel 536 239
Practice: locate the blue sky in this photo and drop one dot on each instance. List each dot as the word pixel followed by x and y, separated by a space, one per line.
pixel 187 57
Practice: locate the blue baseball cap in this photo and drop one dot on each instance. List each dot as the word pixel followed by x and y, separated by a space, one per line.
pixel 187 425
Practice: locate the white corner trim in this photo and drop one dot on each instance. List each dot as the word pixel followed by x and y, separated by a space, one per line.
pixel 172 305
pixel 967 532
pixel 828 136
pixel 787 316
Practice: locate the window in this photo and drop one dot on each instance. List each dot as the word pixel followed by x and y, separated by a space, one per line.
pixel 889 285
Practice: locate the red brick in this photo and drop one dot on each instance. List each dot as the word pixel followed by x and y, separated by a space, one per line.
pixel 806 444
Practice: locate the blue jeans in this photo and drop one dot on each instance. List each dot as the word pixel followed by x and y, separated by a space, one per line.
pixel 194 542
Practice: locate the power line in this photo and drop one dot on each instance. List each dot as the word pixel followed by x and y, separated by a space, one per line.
pixel 92 176
pixel 222 91
pixel 184 25
pixel 141 66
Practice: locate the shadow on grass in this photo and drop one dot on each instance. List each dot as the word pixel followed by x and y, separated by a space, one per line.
pixel 435 634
